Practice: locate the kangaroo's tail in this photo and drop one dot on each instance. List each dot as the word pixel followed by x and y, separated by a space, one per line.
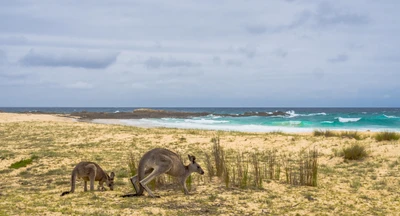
pixel 65 193
pixel 73 181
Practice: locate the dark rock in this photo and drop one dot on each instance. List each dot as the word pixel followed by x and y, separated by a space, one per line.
pixel 151 113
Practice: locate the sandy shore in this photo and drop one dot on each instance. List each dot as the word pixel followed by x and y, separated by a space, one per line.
pixel 367 187
pixel 16 117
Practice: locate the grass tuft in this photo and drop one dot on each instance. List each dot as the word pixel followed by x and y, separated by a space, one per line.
pixel 351 134
pixel 387 136
pixel 355 152
pixel 325 133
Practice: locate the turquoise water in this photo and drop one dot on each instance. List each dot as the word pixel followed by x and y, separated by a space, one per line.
pixel 295 122
pixel 298 119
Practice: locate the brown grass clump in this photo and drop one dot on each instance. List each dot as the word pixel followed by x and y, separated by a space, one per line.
pixel 355 152
pixel 387 136
pixel 351 134
pixel 324 133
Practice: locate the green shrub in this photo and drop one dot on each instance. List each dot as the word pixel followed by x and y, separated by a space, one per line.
pixel 325 133
pixel 355 152
pixel 387 136
pixel 23 163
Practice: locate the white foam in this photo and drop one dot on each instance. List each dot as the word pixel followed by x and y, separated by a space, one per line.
pixel 215 116
pixel 178 123
pixel 292 114
pixel 116 111
pixel 327 122
pixel 345 120
pixel 197 125
pixel 316 114
pixel 390 116
pixel 205 121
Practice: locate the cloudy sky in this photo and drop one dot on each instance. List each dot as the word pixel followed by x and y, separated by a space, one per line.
pixel 200 53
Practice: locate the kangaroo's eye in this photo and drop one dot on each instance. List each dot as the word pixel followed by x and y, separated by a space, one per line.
pixel 198 167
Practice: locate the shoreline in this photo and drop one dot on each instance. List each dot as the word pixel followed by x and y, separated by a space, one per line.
pixel 144 123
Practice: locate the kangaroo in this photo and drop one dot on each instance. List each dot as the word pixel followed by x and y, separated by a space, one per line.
pixel 90 171
pixel 158 161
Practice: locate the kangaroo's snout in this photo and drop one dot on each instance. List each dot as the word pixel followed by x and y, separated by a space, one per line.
pixel 202 172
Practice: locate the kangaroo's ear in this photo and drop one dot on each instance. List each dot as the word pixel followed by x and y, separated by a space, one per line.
pixel 112 175
pixel 191 158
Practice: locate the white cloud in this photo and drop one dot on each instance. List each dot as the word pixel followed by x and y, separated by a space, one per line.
pixel 261 53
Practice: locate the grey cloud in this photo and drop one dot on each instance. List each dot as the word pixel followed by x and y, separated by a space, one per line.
pixel 256 29
pixel 318 73
pixel 79 85
pixel 281 53
pixel 249 51
pixel 155 63
pixel 75 59
pixel 183 73
pixel 3 57
pixel 216 60
pixel 327 15
pixel 323 16
pixel 233 62
pixel 339 58
pixel 13 40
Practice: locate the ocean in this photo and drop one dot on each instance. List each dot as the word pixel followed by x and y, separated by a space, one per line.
pixel 297 120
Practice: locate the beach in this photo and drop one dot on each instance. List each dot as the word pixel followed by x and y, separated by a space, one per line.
pixel 345 187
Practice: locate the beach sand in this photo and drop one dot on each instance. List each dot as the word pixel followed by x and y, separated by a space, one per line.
pixel 367 187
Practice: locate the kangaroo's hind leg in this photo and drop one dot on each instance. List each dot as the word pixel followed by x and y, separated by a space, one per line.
pixel 134 179
pixel 156 172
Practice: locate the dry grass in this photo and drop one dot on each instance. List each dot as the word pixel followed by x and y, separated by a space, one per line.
pixel 367 187
pixel 387 136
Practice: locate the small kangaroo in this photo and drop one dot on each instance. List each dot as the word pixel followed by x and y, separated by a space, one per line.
pixel 158 161
pixel 90 171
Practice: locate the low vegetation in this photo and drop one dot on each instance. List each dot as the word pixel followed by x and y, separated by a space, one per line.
pixel 387 136
pixel 355 152
pixel 350 134
pixel 23 162
pixel 344 134
pixel 324 133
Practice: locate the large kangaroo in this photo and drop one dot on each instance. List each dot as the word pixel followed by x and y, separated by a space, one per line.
pixel 158 161
pixel 90 171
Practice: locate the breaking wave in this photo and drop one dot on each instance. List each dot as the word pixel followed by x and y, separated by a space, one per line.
pixel 345 120
pixel 205 121
pixel 387 116
pixel 292 113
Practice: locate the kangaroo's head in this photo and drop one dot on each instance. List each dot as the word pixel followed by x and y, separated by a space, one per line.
pixel 193 166
pixel 110 181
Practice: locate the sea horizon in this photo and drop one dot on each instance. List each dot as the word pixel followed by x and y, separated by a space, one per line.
pixel 296 119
